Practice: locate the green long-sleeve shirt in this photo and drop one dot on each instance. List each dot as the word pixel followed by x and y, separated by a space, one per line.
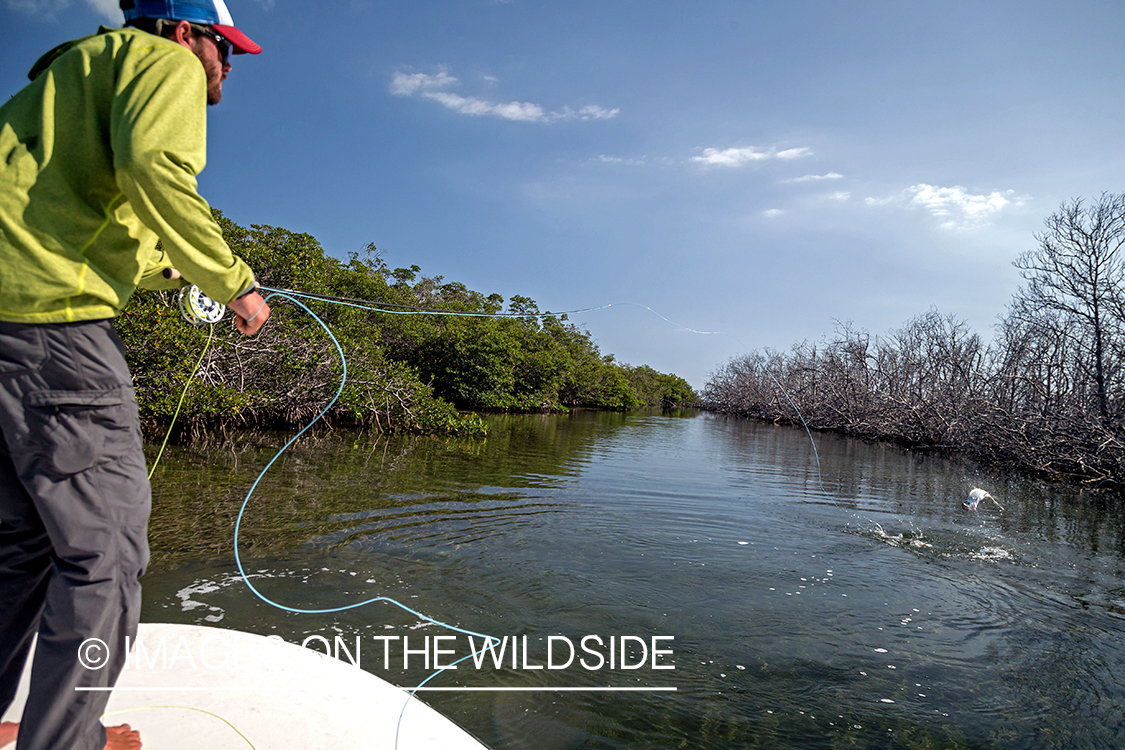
pixel 98 160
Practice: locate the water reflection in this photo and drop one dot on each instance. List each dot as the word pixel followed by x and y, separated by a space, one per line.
pixel 858 605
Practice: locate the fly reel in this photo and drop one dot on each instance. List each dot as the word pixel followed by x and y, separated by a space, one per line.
pixel 197 308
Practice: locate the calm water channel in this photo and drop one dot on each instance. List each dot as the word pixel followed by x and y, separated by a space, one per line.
pixel 871 613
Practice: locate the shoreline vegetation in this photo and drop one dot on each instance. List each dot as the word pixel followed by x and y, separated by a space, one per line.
pixel 406 373
pixel 1045 398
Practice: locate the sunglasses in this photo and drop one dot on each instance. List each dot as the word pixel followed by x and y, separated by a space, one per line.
pixel 221 42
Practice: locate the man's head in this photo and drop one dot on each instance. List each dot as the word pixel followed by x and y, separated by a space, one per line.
pixel 203 26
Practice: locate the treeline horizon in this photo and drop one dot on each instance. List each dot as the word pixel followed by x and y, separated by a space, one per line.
pixel 1045 398
pixel 416 373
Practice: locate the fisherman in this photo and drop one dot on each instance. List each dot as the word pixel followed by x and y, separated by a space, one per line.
pixel 98 160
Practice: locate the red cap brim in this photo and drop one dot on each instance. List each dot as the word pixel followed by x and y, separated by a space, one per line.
pixel 242 43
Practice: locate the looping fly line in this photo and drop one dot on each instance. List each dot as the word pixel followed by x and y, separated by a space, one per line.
pixel 292 296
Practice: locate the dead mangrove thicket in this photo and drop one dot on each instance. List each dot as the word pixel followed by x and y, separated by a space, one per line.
pixel 1045 397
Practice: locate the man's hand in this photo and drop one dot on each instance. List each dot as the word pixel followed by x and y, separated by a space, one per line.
pixel 251 311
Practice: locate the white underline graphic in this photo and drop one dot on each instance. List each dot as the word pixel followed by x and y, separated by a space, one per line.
pixel 404 688
pixel 548 689
pixel 197 689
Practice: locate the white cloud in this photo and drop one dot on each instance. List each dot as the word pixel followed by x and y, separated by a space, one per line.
pixel 942 201
pixel 818 177
pixel 620 160
pixel 470 105
pixel 772 213
pixel 43 8
pixel 955 206
pixel 434 87
pixel 737 157
pixel 594 112
pixel 793 153
pixel 841 196
pixel 730 157
pixel 49 9
pixel 407 84
pixel 110 10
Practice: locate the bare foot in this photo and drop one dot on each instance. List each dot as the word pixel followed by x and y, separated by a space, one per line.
pixel 122 737
pixel 8 730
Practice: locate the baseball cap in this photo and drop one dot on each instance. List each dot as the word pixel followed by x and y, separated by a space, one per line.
pixel 211 13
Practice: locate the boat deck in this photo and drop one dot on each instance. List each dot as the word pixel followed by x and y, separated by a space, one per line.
pixel 199 687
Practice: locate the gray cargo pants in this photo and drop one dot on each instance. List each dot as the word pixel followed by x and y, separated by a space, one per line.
pixel 74 507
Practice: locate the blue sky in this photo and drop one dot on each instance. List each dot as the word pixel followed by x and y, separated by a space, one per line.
pixel 761 169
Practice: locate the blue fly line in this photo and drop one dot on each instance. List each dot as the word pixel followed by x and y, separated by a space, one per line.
pixel 329 610
pixel 292 296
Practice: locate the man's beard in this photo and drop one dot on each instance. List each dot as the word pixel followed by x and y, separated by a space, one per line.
pixel 214 71
pixel 214 82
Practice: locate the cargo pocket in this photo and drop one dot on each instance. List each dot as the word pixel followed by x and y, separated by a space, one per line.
pixel 72 431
